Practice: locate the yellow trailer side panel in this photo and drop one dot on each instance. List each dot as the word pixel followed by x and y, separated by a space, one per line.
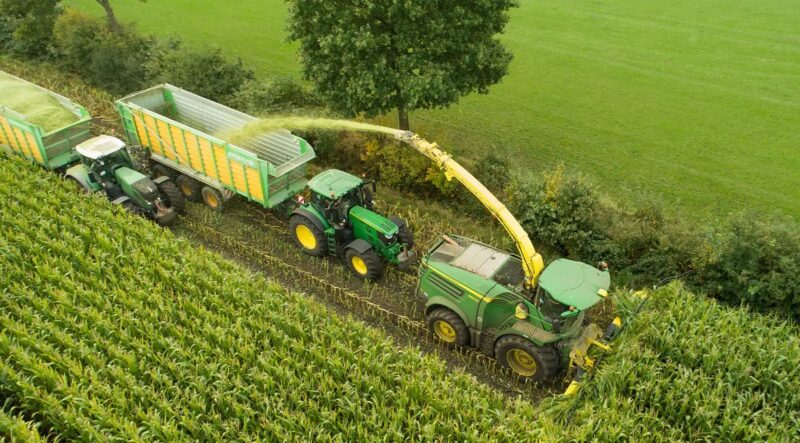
pixel 22 144
pixel 224 166
pixel 254 183
pixel 3 139
pixel 34 148
pixel 169 148
pixel 151 129
pixel 239 178
pixel 191 148
pixel 208 158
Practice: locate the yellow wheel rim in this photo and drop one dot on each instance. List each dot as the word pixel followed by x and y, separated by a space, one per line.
pixel 186 189
pixel 211 200
pixel 359 265
pixel 444 331
pixel 305 237
pixel 521 362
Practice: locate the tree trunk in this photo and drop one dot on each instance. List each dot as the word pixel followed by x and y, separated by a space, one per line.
pixel 113 24
pixel 402 114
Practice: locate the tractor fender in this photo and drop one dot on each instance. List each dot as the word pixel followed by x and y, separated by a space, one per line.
pixel 80 174
pixel 120 200
pixel 359 245
pixel 312 216
pixel 161 179
pixel 441 302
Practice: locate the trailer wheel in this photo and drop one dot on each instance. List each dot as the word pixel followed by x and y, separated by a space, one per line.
pixel 190 188
pixel 366 265
pixel 170 190
pixel 160 170
pixel 404 234
pixel 213 198
pixel 448 327
pixel 307 236
pixel 525 358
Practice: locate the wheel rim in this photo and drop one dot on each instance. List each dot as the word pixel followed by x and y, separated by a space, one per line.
pixel 359 265
pixel 305 237
pixel 211 200
pixel 186 189
pixel 445 331
pixel 521 362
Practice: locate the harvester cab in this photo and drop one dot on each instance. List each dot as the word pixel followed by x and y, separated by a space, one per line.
pixel 105 165
pixel 339 220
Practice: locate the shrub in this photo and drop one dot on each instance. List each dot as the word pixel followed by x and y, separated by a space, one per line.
pixel 114 61
pixel 207 73
pixel 276 96
pixel 756 260
pixel 26 26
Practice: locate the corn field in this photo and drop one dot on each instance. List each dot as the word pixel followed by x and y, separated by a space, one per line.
pixel 113 329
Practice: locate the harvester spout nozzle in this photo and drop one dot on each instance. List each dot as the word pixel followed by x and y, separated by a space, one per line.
pixel 404 136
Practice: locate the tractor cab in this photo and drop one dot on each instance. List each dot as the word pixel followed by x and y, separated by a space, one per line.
pixel 335 193
pixel 102 156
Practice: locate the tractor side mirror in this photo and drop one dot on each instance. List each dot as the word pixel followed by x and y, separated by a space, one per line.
pixel 568 314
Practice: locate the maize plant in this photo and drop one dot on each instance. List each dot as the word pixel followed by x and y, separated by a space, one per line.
pixel 112 329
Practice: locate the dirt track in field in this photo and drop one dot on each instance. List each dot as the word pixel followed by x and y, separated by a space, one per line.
pixel 259 239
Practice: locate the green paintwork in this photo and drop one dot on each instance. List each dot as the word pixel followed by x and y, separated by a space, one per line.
pixel 486 300
pixel 55 147
pixel 81 173
pixel 333 183
pixel 574 283
pixel 126 178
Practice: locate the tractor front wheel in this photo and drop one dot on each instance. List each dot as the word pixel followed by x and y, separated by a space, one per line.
pixel 366 265
pixel 189 187
pixel 308 237
pixel 448 327
pixel 525 358
pixel 173 194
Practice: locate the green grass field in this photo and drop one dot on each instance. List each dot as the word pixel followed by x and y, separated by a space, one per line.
pixel 694 105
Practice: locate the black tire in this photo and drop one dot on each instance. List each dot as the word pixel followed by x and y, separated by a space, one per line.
pixel 213 198
pixel 189 187
pixel 509 347
pixel 300 228
pixel 448 327
pixel 160 170
pixel 132 207
pixel 367 265
pixel 173 195
pixel 404 233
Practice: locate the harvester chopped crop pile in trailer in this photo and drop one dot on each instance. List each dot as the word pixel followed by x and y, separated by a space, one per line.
pixel 531 318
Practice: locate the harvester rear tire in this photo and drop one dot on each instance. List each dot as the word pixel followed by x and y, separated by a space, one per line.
pixel 160 170
pixel 189 187
pixel 510 346
pixel 404 233
pixel 213 198
pixel 448 327
pixel 173 194
pixel 366 265
pixel 307 236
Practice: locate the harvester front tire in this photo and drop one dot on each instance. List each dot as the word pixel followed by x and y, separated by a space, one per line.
pixel 213 198
pixel 366 265
pixel 307 236
pixel 525 358
pixel 448 327
pixel 170 190
pixel 404 233
pixel 189 187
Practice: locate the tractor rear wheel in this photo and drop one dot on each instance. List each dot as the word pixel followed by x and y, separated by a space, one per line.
pixel 404 233
pixel 525 358
pixel 448 327
pixel 170 190
pixel 189 187
pixel 160 170
pixel 213 198
pixel 307 236
pixel 366 265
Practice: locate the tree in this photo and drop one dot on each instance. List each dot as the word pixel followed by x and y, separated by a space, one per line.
pixel 27 25
pixel 374 56
pixel 111 18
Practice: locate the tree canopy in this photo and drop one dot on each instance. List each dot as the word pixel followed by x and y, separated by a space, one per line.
pixel 374 56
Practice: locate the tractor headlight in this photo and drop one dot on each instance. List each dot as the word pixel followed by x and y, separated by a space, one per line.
pixel 521 311
pixel 386 239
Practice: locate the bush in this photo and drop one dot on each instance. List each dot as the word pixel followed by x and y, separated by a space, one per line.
pixel 207 73
pixel 114 61
pixel 26 26
pixel 276 96
pixel 756 261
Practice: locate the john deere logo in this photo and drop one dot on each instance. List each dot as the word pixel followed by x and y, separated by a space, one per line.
pixel 232 156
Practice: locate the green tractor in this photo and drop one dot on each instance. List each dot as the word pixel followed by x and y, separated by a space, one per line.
pixel 339 221
pixel 105 165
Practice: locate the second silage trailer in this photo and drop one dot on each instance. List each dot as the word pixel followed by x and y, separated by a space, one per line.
pixel 178 128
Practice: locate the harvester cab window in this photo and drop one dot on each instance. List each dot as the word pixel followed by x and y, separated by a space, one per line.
pixel 547 306
pixel 510 274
